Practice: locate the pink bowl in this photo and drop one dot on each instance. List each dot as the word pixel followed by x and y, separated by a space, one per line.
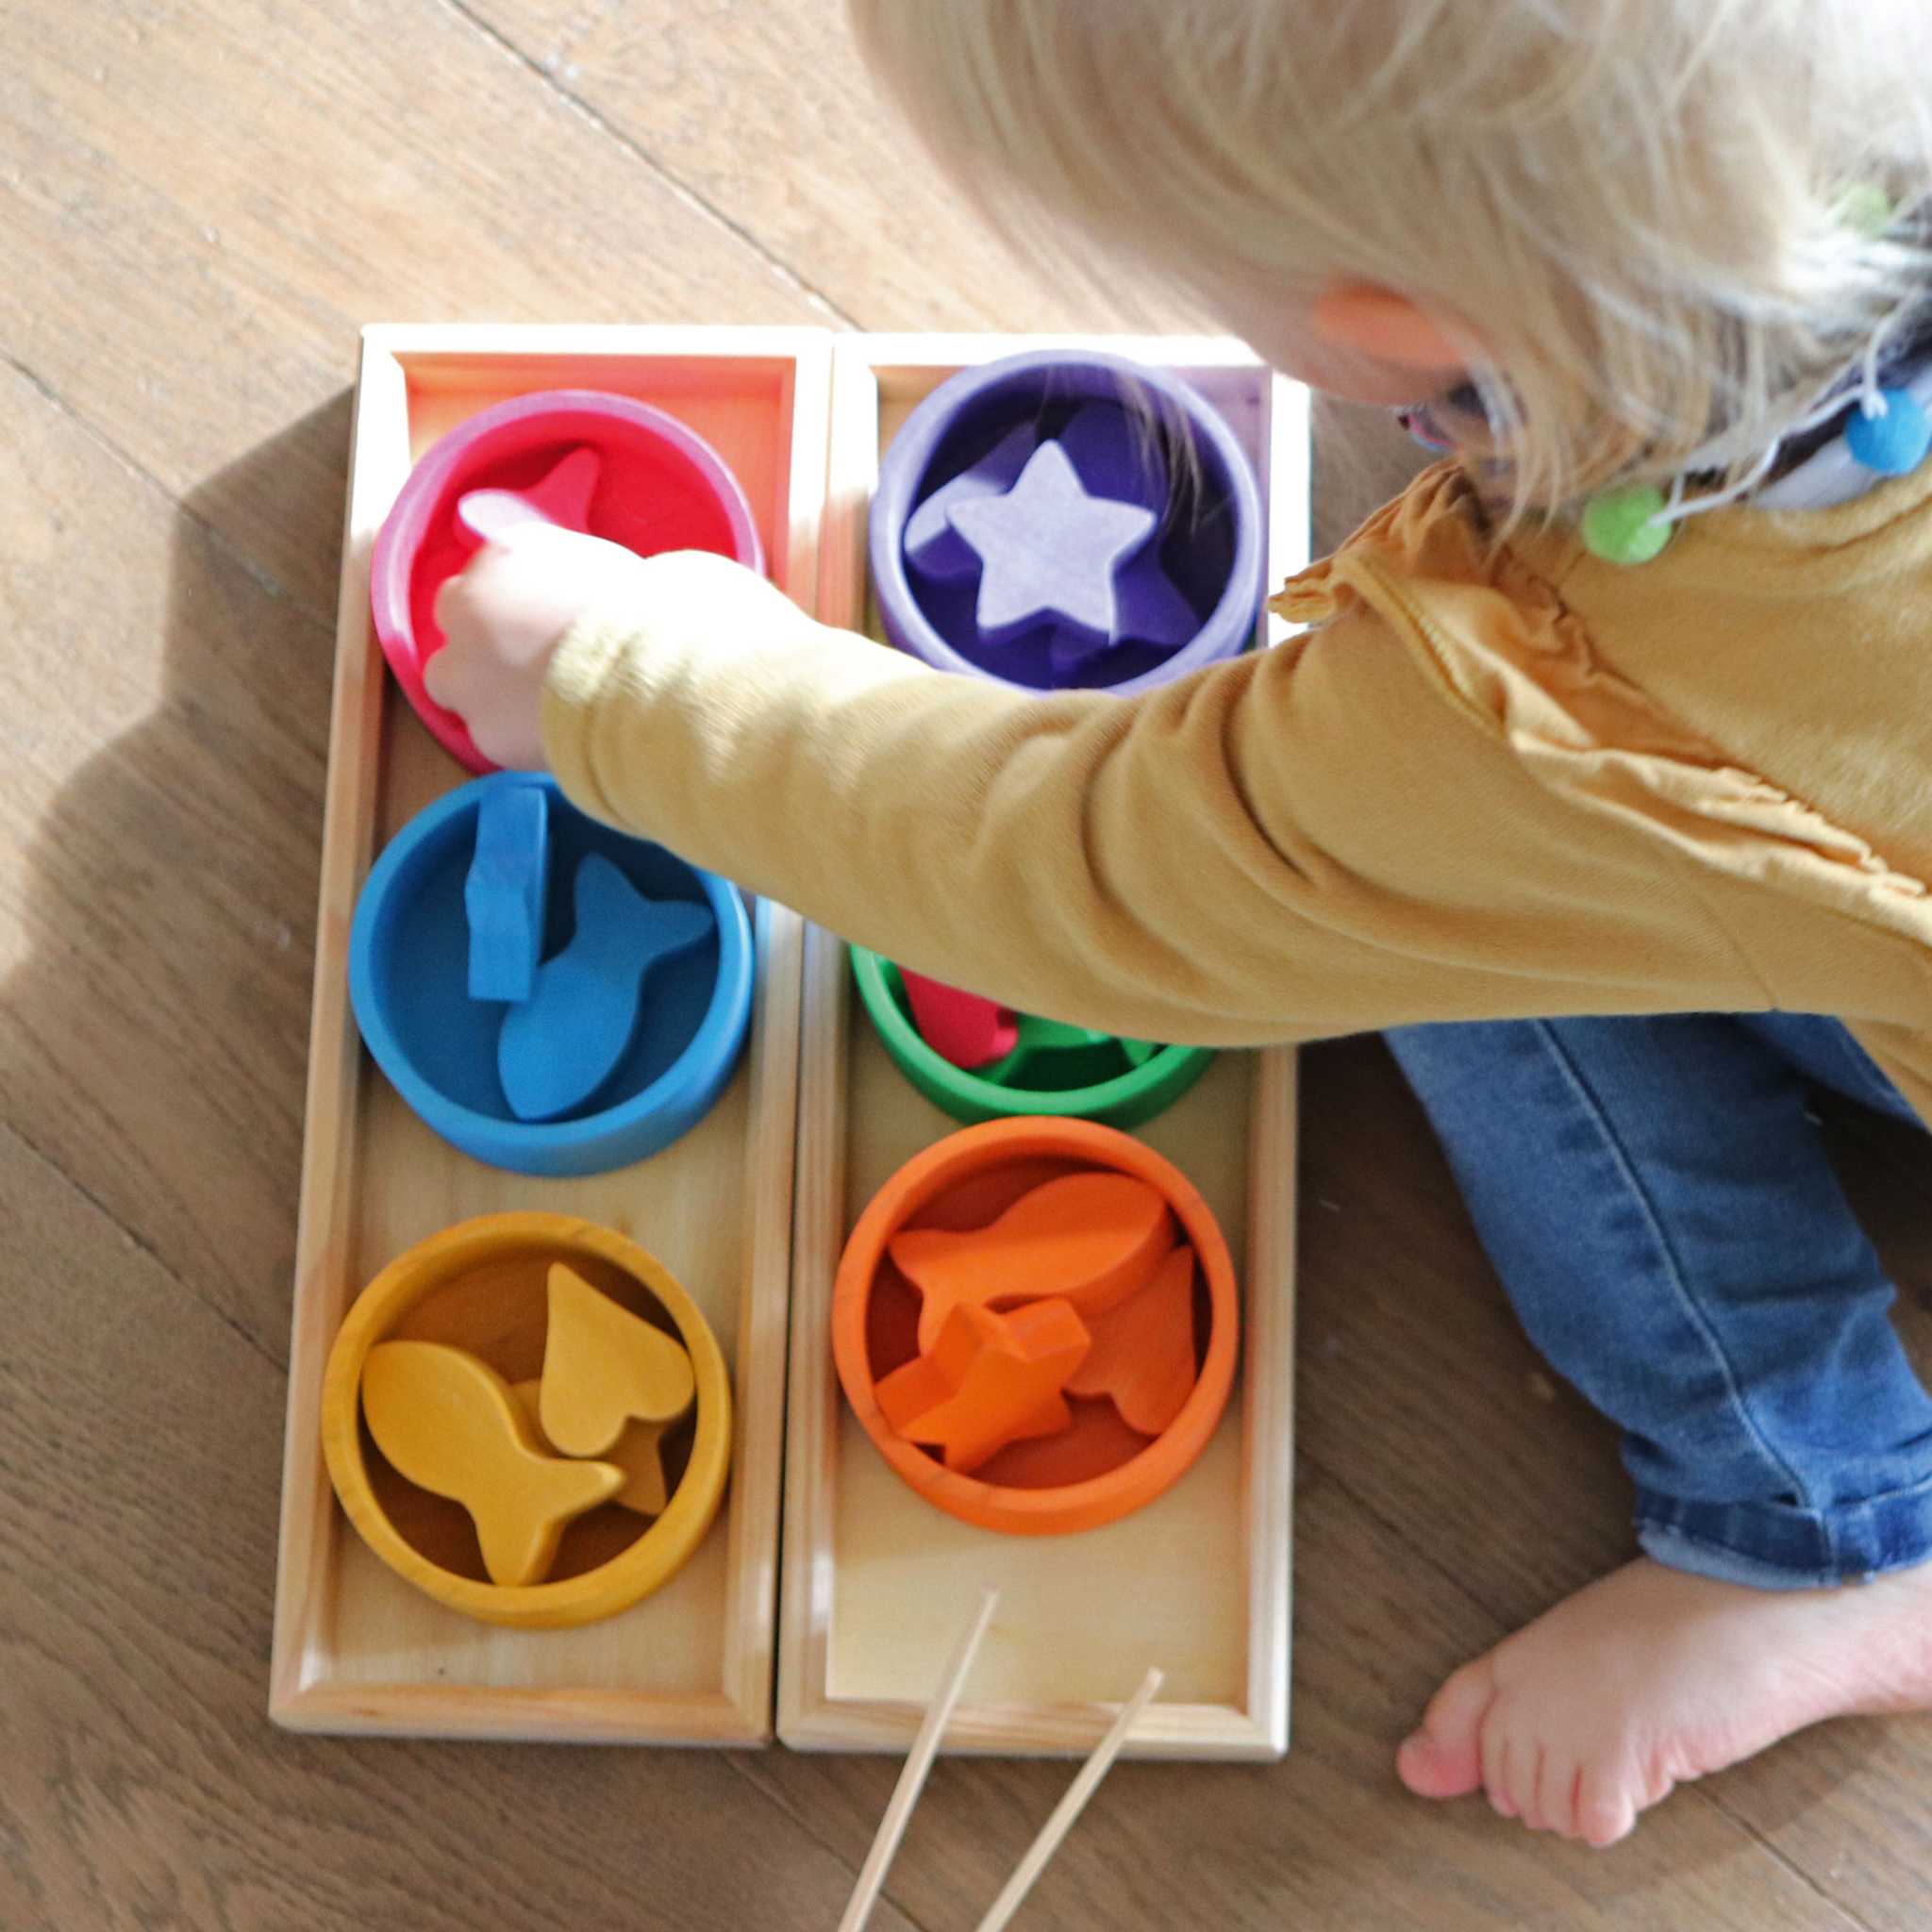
pixel 662 488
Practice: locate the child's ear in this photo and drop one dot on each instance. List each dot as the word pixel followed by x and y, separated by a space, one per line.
pixel 1374 321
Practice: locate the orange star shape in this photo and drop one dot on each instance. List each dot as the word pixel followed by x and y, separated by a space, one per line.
pixel 989 1380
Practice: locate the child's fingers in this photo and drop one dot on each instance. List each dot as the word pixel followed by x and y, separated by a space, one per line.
pixel 443 680
pixel 459 591
pixel 472 581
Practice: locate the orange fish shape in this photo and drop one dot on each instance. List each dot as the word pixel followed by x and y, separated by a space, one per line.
pixel 1089 1238
pixel 1143 1351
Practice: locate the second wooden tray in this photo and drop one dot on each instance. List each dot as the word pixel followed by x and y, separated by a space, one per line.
pixel 874 1578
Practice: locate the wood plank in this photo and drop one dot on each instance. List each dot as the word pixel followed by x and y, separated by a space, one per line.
pixel 158 830
pixel 1324 1840
pixel 1409 1341
pixel 1846 1803
pixel 1362 457
pixel 207 198
pixel 715 94
pixel 1416 1340
pixel 140 1782
pixel 216 359
pixel 1416 1345
pixel 1407 1338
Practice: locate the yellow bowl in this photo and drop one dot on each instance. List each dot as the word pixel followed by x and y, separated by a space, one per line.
pixel 479 1285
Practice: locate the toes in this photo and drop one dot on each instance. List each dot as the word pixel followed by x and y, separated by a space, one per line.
pixel 1433 1770
pixel 1494 1747
pixel 1605 1805
pixel 1527 1760
pixel 1443 1758
pixel 1556 1793
pixel 1425 1770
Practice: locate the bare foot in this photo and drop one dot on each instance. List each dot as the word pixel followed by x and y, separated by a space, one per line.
pixel 1652 1676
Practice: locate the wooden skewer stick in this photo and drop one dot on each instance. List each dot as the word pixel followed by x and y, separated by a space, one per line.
pixel 1069 1808
pixel 912 1779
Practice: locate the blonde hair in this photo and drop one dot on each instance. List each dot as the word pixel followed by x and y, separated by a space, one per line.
pixel 1658 226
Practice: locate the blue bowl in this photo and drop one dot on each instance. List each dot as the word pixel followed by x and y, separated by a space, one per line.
pixel 408 983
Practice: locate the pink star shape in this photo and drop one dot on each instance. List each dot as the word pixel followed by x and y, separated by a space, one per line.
pixel 563 498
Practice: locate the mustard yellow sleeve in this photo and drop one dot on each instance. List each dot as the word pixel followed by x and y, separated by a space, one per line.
pixel 1317 839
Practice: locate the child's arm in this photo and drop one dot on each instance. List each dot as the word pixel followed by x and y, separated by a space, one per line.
pixel 1308 841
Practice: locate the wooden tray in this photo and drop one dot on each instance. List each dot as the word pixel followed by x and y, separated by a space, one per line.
pixel 356 1649
pixel 876 1581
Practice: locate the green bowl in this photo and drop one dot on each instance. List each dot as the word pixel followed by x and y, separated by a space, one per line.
pixel 1096 1080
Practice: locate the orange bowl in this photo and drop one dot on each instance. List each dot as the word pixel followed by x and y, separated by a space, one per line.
pixel 1099 1470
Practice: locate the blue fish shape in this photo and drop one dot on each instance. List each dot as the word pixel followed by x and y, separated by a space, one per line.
pixel 505 891
pixel 559 1047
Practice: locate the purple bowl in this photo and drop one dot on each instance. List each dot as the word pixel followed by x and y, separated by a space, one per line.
pixel 1210 541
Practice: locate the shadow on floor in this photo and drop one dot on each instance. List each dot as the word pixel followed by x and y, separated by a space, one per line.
pixel 162 1008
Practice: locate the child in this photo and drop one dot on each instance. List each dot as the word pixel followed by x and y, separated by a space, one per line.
pixel 1610 741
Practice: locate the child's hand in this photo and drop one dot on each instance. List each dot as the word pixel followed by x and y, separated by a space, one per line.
pixel 503 617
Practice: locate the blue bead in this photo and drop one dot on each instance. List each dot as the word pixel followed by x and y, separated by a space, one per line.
pixel 1895 442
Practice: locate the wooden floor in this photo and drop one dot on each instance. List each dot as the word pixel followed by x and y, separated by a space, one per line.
pixel 200 201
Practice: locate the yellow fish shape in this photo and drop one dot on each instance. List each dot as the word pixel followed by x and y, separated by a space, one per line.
pixel 450 1424
pixel 603 1367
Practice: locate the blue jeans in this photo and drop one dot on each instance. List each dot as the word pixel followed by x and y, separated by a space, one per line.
pixel 1662 1214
